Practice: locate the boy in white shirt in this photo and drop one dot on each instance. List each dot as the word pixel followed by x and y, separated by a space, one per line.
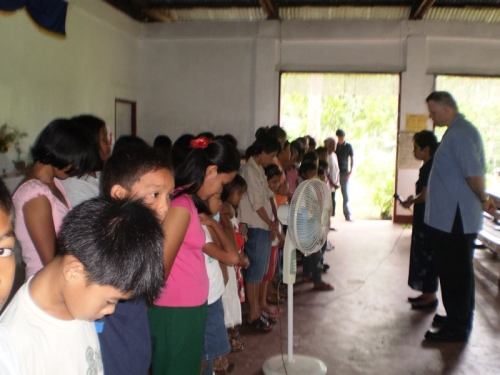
pixel 9 364
pixel 108 250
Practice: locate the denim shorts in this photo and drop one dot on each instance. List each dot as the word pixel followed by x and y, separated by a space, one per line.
pixel 258 251
pixel 216 341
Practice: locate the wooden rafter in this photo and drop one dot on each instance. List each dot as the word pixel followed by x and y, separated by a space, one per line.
pixel 271 9
pixel 419 8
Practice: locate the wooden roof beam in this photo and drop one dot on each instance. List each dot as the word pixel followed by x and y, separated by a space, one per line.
pixel 271 9
pixel 419 8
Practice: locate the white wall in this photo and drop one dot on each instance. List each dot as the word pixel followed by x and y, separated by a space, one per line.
pixel 43 76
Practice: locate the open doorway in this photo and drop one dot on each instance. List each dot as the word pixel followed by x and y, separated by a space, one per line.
pixel 478 99
pixel 365 106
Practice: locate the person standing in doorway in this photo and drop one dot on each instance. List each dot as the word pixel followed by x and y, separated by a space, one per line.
pixel 345 156
pixel 333 168
pixel 455 202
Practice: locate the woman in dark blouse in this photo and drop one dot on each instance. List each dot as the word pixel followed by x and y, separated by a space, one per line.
pixel 422 274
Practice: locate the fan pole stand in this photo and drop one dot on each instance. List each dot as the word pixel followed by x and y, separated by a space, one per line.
pixel 293 365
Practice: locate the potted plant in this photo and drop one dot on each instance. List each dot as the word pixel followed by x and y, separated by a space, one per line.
pixel 9 136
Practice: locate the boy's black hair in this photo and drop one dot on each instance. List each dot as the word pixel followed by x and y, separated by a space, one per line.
pixel 340 133
pixel 306 167
pixel 272 170
pixel 323 164
pixel 62 144
pixel 190 174
pixel 126 142
pixel 321 170
pixel 238 182
pixel 321 150
pixel 276 131
pixel 126 167
pixel 265 144
pixel 6 201
pixel 119 243
pixel 426 138
pixel 92 125
pixel 310 156
pixel 163 143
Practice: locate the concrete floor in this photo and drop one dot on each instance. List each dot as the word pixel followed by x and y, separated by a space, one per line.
pixel 366 326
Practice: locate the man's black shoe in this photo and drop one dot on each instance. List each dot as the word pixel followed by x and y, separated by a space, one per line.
pixel 439 320
pixel 448 334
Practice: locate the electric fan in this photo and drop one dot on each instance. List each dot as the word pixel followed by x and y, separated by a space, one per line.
pixel 308 220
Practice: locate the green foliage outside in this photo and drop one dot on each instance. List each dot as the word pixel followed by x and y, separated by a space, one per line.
pixel 478 99
pixel 368 115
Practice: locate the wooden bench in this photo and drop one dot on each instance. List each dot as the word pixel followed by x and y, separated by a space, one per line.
pixel 489 237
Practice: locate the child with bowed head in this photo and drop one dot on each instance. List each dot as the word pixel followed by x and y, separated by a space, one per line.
pixel 177 318
pixel 108 250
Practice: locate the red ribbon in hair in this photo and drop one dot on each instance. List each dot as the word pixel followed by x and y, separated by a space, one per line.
pixel 201 142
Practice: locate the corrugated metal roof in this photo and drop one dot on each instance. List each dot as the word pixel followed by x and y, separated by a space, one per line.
pixel 345 13
pixel 463 14
pixel 308 10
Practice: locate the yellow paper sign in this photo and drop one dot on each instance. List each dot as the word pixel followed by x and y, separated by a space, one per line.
pixel 415 123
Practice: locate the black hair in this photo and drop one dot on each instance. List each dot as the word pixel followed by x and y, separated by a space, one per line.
pixel 126 142
pixel 276 131
pixel 208 135
pixel 323 164
pixel 92 125
pixel 426 138
pixel 306 167
pixel 265 144
pixel 190 174
pixel 201 206
pixel 310 156
pixel 127 166
pixel 321 170
pixel 119 243
pixel 181 149
pixel 65 146
pixel 237 183
pixel 6 201
pixel 340 133
pixel 297 145
pixel 312 142
pixel 321 150
pixel 163 143
pixel 229 138
pixel 272 170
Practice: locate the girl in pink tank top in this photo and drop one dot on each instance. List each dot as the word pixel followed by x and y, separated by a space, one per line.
pixel 177 318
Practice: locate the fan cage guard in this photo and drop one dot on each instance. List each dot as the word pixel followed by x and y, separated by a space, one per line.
pixel 309 215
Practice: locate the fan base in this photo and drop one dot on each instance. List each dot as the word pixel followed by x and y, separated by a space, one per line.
pixel 302 365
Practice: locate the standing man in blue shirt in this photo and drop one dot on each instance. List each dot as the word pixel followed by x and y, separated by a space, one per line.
pixel 455 199
pixel 345 156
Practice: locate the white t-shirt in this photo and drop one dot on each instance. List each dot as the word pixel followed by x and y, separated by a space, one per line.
pixel 49 346
pixel 333 169
pixel 80 189
pixel 215 278
pixel 9 364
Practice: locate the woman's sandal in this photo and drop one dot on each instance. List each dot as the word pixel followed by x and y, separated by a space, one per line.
pixel 235 340
pixel 269 318
pixel 221 365
pixel 261 325
pixel 323 287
